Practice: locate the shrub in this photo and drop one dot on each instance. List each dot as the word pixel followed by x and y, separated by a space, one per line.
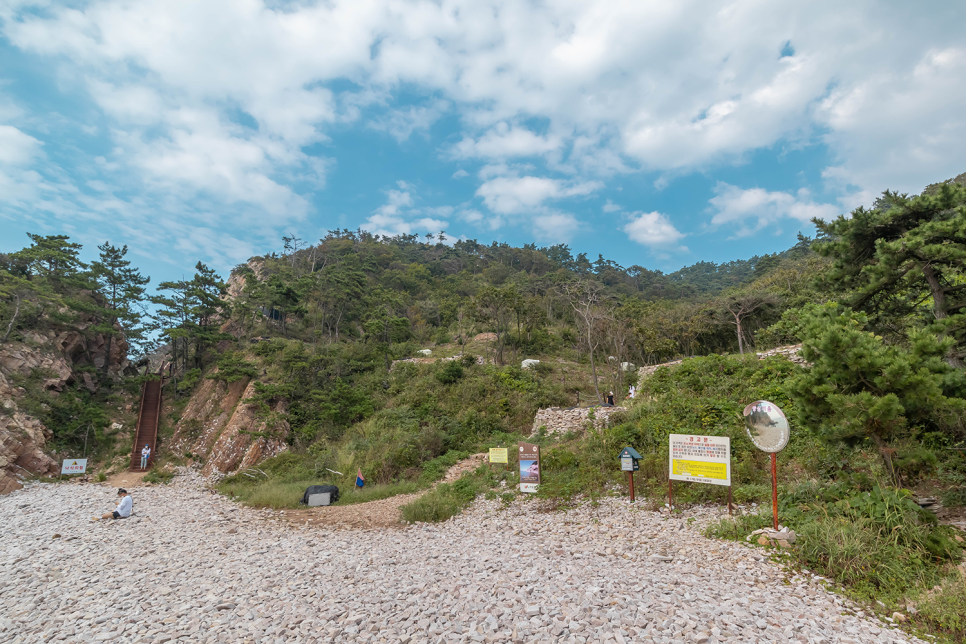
pixel 451 372
pixel 157 475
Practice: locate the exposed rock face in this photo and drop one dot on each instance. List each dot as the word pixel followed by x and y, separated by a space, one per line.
pixel 22 360
pixel 236 282
pixel 57 354
pixel 218 424
pixel 22 442
pixel 236 447
pixel 54 354
pixel 560 420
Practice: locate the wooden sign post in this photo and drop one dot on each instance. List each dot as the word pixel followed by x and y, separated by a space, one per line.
pixel 629 463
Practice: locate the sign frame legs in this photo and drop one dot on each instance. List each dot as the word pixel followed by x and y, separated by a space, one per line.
pixel 774 488
pixel 630 479
pixel 670 494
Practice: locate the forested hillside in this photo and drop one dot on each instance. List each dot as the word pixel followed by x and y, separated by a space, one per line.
pixel 350 304
pixel 398 356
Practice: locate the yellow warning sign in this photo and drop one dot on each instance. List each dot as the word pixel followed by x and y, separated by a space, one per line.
pixel 498 455
pixel 697 468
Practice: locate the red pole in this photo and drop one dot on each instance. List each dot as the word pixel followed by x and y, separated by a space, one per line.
pixel 630 477
pixel 774 488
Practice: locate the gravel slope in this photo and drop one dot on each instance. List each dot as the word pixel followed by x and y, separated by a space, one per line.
pixel 194 567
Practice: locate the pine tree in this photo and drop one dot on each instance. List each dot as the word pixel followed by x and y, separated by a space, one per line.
pixel 905 250
pixel 122 288
pixel 859 387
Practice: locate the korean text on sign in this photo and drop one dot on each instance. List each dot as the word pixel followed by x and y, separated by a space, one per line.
pixel 700 459
pixel 74 466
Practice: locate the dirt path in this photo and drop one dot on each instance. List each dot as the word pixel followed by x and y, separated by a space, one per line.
pixel 125 479
pixel 384 513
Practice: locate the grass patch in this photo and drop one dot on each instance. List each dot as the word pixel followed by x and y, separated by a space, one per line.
pixel 287 494
pixel 943 611
pixel 280 482
pixel 878 545
pixel 446 500
pixel 157 475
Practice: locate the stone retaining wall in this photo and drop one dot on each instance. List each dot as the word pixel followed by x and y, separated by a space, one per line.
pixel 560 420
pixel 791 352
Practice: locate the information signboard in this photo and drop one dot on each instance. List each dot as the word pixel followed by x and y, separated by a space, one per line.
pixel 529 467
pixel 74 466
pixel 700 459
pixel 498 455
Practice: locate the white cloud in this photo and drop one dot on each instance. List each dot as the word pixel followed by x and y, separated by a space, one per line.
pixel 459 174
pixel 400 216
pixel 921 107
pixel 555 227
pixel 17 148
pixel 654 229
pixel 610 206
pixel 503 141
pixel 515 195
pixel 224 110
pixel 402 122
pixel 754 208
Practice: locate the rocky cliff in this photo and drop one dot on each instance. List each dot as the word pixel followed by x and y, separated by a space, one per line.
pixel 54 355
pixel 219 426
pixel 22 441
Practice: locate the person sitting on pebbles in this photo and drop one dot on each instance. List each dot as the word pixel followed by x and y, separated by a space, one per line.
pixel 125 504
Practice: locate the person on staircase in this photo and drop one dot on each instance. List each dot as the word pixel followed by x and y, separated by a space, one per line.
pixel 125 505
pixel 145 455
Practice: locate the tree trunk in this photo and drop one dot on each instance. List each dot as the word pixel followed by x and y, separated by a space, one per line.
pixel 593 366
pixel 16 313
pixel 940 307
pixel 741 344
pixel 107 355
pixel 886 459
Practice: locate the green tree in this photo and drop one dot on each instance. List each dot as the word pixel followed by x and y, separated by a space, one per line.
pixel 173 318
pixel 904 251
pixel 861 388
pixel 52 257
pixel 209 310
pixel 122 288
pixel 496 306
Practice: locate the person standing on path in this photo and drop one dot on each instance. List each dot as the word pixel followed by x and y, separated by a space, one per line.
pixel 125 505
pixel 145 455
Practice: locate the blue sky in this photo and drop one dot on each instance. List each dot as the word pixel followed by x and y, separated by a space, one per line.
pixel 654 133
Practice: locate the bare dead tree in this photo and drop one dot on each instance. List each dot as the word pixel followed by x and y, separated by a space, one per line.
pixel 741 306
pixel 587 299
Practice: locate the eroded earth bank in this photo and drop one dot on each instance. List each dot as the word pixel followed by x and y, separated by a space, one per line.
pixel 192 566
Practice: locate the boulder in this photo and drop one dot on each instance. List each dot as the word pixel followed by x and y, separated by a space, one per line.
pixel 526 364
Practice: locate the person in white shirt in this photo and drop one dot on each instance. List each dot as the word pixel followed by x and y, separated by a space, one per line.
pixel 125 505
pixel 145 455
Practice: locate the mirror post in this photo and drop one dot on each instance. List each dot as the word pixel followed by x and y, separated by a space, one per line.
pixel 774 488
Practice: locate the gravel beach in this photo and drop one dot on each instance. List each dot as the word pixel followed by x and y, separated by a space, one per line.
pixel 192 566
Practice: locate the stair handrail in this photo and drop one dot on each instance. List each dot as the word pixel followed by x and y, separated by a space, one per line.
pixel 157 416
pixel 137 428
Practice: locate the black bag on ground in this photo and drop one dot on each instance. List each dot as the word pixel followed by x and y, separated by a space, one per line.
pixel 331 490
